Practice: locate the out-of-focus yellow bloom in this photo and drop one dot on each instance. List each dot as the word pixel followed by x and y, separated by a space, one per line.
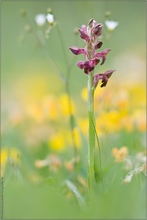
pixel 110 121
pixel 16 118
pixel 69 166
pixel 77 137
pixel 84 94
pixel 57 142
pixel 142 124
pixel 83 123
pixel 51 107
pixel 127 123
pixel 121 100
pixel 41 163
pixel 99 92
pixel 6 154
pixel 97 95
pixel 60 140
pixel 35 111
pixel 64 105
pixel 139 117
pixel 9 152
pixel 48 108
pixel 138 95
pixel 99 126
pixel 120 154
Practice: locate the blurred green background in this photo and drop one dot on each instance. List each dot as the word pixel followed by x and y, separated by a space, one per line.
pixel 27 75
pixel 25 62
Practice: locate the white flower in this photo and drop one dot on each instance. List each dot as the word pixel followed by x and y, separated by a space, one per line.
pixel 128 178
pixel 40 19
pixel 141 158
pixel 50 18
pixel 128 164
pixel 111 25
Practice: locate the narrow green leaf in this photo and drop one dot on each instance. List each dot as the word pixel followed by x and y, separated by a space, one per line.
pixel 76 192
pixel 99 153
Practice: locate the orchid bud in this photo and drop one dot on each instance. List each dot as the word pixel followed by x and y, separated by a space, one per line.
pixel 80 64
pixel 90 23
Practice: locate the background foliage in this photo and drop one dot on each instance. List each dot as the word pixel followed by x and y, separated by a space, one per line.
pixel 37 154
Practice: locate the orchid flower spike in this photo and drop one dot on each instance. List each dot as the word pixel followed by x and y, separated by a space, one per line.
pixel 90 35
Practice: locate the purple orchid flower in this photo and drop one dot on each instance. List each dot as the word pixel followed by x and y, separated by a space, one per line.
pixel 104 77
pixel 89 34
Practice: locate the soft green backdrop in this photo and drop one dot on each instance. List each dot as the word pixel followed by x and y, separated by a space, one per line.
pixel 27 74
pixel 24 61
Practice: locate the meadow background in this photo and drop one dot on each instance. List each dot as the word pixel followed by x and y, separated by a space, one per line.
pixel 38 155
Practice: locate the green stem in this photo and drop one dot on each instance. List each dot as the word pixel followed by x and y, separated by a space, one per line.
pixel 91 138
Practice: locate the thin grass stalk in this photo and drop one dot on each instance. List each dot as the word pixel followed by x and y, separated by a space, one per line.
pixel 91 137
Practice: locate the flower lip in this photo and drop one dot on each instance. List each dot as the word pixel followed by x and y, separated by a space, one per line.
pixel 102 55
pixel 87 65
pixel 98 44
pixel 105 76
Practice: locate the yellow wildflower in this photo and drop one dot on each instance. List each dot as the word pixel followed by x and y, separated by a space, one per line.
pixel 16 118
pixel 142 124
pixel 64 105
pixel 120 154
pixel 110 121
pixel 83 122
pixel 138 94
pixel 51 107
pixel 84 94
pixel 57 142
pixel 35 111
pixel 77 137
pixel 121 99
pixel 99 126
pixel 8 153
pixel 127 123
pixel 139 117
